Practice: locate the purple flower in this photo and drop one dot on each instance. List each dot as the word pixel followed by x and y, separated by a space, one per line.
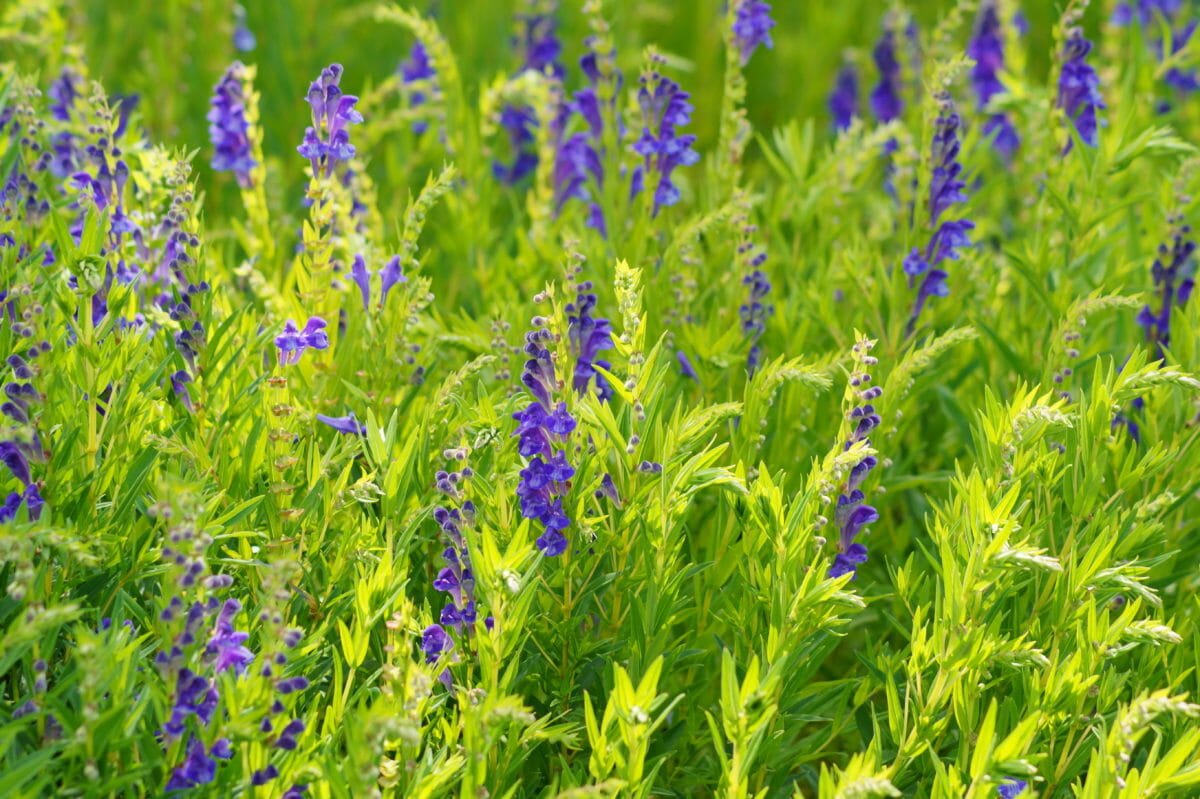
pixel 327 142
pixel 665 107
pixel 33 502
pixel 843 102
pixel 752 27
pixel 291 685
pixel 885 99
pixel 417 68
pixel 685 366
pixel 541 428
pixel 228 128
pixel 755 311
pixel 1011 788
pixel 853 514
pixel 264 775
pixel 12 504
pixel 434 642
pixel 243 37
pixel 540 50
pixel 287 736
pixel 196 769
pixel 946 190
pixel 292 342
pixel 1079 88
pixel 13 456
pixel 987 50
pixel 63 93
pixel 344 424
pixel 194 695
pixel 389 275
pixel 590 335
pixel 179 384
pixel 227 647
pixel 1174 273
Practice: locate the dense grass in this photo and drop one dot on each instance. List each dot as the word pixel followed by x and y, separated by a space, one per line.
pixel 223 594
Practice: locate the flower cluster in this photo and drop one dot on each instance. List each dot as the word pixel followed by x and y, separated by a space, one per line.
pixel 843 102
pixel 665 108
pixel 1079 88
pixel 228 128
pixel 389 275
pixel 853 514
pixel 293 341
pixel 945 191
pixel 542 428
pixel 756 310
pixel 590 335
pixel 327 142
pixel 579 154
pixel 1152 15
pixel 1174 273
pixel 417 69
pixel 243 37
pixel 540 48
pixel 17 451
pixel 986 48
pixel 752 25
pixel 887 102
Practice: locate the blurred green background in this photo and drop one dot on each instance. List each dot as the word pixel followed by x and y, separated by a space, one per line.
pixel 171 52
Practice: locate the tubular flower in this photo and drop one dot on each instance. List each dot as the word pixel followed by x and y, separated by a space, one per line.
pixel 389 274
pixel 1174 273
pixel 752 25
pixel 243 37
pixel 590 335
pixel 945 191
pixel 987 50
pixel 327 142
pixel 1079 88
pixel 228 128
pixel 756 310
pixel 293 341
pixel 843 102
pixel 885 99
pixel 579 155
pixel 540 48
pixel 853 514
pixel 417 69
pixel 665 107
pixel 541 429
pixel 1011 788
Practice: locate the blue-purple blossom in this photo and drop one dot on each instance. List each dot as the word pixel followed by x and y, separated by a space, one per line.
pixel 541 429
pixel 946 190
pixel 752 25
pixel 344 424
pixel 389 274
pixel 434 642
pixel 293 341
pixel 63 93
pixel 540 49
pixel 1174 273
pixel 417 68
pixel 456 578
pixel 986 48
pixel 1079 88
pixel 885 99
pixel 179 385
pixel 685 365
pixel 843 102
pixel 196 769
pixel 665 108
pixel 327 142
pixel 590 335
pixel 227 647
pixel 853 514
pixel 228 128
pixel 1152 15
pixel 756 310
pixel 1011 788
pixel 243 37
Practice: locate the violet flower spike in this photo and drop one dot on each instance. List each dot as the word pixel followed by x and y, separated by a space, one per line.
pixel 752 26
pixel 843 102
pixel 986 48
pixel 228 128
pixel 1079 89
